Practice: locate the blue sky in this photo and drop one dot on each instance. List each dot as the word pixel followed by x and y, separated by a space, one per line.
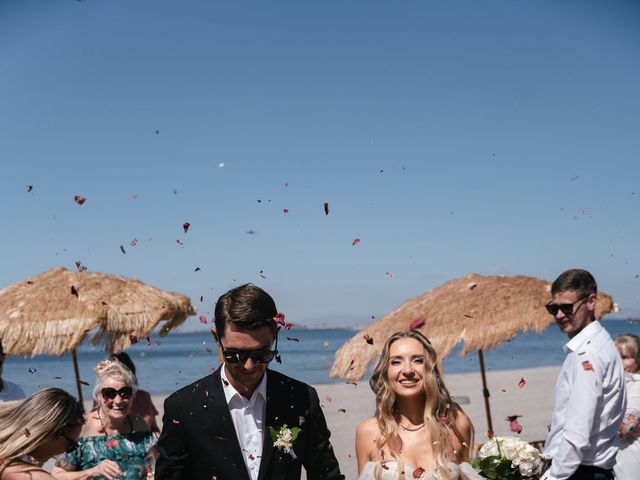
pixel 495 137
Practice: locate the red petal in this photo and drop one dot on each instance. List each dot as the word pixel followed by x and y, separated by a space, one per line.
pixel 417 323
pixel 326 208
pixel 522 383
pixel 74 291
pixel 587 366
pixel 355 242
pixel 122 249
pixel 79 199
pixel 202 319
pixel 285 210
pixel 342 410
pixel 417 473
pixel 368 339
pixel 133 339
pixel 293 339
pixel 185 226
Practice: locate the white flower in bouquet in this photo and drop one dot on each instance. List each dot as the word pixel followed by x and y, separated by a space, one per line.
pixel 508 458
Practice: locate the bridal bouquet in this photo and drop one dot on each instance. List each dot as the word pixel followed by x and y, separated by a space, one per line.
pixel 508 458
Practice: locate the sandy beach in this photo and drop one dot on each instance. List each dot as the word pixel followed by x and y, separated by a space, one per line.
pixel 345 405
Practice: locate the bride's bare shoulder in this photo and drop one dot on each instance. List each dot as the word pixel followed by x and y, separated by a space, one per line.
pixel 368 427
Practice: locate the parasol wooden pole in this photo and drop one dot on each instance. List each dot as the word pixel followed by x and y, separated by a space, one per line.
pixel 77 370
pixel 485 392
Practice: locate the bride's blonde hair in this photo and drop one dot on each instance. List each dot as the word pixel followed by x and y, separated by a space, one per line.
pixel 439 408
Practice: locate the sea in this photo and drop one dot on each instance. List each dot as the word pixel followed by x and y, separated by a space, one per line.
pixel 165 364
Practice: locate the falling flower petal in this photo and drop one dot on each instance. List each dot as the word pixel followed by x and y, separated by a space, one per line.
pixel 326 208
pixel 368 339
pixel 79 199
pixel 513 423
pixel 522 383
pixel 417 473
pixel 185 226
pixel 112 443
pixel 250 232
pixel 293 339
pixel 202 319
pixel 82 382
pixel 79 266
pixel 285 210
pixel 342 410
pixel 32 370
pixel 134 242
pixel 133 339
pixel 355 242
pixel 29 188
pixel 197 269
pixel 122 249
pixel 417 323
pixel 179 242
pixel 390 274
pixel 74 291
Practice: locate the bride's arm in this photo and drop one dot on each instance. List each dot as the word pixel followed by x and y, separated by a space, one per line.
pixel 366 435
pixel 463 430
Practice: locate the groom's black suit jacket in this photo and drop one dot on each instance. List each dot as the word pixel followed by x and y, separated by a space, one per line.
pixel 199 442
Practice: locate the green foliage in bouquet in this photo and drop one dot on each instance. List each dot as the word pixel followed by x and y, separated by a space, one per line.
pixel 498 468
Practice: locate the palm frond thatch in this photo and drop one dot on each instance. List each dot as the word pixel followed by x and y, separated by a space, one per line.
pixel 481 311
pixel 51 313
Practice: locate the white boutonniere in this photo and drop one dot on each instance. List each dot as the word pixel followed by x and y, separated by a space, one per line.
pixel 283 438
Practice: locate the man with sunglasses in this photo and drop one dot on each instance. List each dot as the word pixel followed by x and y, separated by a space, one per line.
pixel 245 421
pixel 589 393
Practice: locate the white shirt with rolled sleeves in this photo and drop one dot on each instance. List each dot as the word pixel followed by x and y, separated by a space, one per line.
pixel 248 419
pixel 589 405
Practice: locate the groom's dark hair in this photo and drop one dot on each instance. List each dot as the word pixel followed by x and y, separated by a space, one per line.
pixel 247 307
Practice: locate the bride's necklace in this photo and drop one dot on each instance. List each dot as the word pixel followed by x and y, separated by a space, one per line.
pixel 412 429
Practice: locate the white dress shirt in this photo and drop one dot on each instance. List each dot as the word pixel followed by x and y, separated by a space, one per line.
pixel 589 405
pixel 248 419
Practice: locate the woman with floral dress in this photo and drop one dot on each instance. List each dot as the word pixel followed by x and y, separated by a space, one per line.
pixel 114 443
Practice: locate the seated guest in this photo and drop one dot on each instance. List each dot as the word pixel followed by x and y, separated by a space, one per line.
pixel 35 429
pixel 8 390
pixel 114 442
pixel 142 403
pixel 627 465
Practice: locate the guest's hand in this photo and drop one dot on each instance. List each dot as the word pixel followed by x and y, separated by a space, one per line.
pixel 108 469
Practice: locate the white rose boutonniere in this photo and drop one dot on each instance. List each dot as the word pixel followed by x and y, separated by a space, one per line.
pixel 283 438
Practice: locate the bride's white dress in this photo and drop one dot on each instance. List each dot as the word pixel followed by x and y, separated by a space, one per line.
pixel 389 471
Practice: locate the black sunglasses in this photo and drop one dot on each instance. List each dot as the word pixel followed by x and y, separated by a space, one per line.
pixel 257 356
pixel 566 308
pixel 72 445
pixel 110 393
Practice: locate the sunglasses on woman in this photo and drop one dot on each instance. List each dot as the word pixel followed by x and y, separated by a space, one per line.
pixel 72 445
pixel 566 308
pixel 110 393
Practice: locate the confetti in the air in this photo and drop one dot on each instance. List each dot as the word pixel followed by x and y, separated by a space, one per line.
pixel 417 473
pixel 513 423
pixel 29 188
pixel 326 208
pixel 368 339
pixel 522 383
pixel 185 226
pixel 79 199
pixel 355 242
pixel 417 323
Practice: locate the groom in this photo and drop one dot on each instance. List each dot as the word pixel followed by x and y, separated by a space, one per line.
pixel 231 424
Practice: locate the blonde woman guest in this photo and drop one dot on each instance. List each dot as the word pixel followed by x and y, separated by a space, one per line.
pixel 628 459
pixel 114 442
pixel 418 430
pixel 33 430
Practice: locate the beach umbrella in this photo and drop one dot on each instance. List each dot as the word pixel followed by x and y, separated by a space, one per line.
pixel 53 312
pixel 479 311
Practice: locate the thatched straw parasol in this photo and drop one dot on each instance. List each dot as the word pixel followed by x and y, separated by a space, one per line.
pixel 52 313
pixel 480 311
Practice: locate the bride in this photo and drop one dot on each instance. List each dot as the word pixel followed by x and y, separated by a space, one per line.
pixel 418 430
